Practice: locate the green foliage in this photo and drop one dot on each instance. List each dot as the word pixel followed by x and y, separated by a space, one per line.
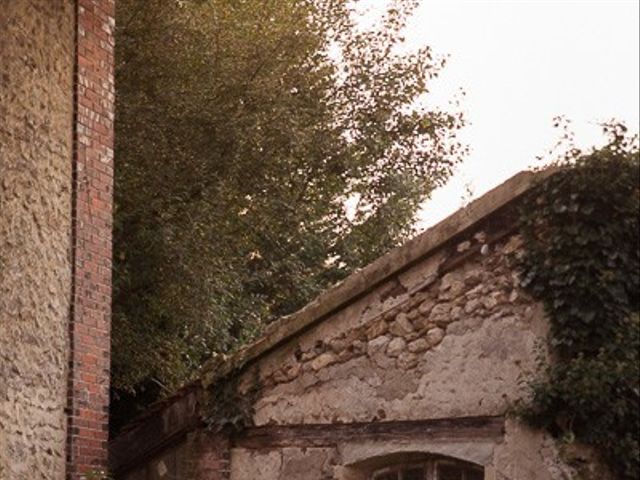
pixel 242 128
pixel 225 408
pixel 582 260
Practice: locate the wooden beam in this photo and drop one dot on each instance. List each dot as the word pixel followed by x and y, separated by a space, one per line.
pixel 330 434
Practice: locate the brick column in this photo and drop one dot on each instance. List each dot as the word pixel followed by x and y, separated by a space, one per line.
pixel 89 364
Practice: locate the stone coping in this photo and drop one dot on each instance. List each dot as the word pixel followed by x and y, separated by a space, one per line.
pixel 364 280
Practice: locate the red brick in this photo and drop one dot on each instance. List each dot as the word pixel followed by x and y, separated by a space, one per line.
pixel 90 324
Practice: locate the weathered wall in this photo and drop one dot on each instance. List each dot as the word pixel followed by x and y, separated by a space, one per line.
pixel 521 454
pixel 289 463
pixel 453 336
pixel 200 455
pixel 417 357
pixel 36 114
pixel 456 346
pixel 56 66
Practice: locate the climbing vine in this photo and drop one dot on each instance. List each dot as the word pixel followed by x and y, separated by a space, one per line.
pixel 581 259
pixel 226 408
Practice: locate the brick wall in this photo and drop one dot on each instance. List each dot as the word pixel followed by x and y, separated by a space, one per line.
pixel 88 392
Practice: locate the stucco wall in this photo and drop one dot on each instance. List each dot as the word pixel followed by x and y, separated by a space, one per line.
pixel 523 454
pixel 289 463
pixel 454 336
pixel 36 68
pixel 458 346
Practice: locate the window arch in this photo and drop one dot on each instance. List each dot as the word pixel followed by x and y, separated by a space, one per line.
pixel 429 469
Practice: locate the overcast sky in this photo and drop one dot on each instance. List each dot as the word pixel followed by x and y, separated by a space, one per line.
pixel 521 63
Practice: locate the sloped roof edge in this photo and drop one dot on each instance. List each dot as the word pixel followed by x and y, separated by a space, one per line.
pixel 363 280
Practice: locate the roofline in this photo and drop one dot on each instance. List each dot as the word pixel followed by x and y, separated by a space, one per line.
pixel 363 280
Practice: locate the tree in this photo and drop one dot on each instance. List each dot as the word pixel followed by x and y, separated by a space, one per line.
pixel 242 128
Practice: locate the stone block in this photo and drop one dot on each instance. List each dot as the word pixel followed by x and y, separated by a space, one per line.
pixel 396 347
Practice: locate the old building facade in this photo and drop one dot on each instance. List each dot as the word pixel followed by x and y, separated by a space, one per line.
pixel 405 370
pixel 56 170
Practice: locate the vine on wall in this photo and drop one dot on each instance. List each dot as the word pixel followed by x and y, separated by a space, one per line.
pixel 582 260
pixel 226 408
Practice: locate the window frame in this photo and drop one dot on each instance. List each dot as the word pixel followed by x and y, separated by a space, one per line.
pixel 398 468
pixel 430 469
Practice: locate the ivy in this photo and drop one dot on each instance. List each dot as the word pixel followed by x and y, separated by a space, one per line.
pixel 226 409
pixel 581 259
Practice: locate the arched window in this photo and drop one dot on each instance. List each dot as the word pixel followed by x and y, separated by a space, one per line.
pixel 432 469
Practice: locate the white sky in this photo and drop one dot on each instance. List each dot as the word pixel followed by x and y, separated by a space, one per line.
pixel 521 63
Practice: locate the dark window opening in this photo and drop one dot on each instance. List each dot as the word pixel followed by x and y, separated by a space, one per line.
pixel 435 469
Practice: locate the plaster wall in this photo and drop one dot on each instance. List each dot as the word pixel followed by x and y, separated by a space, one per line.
pixel 453 336
pixel 460 346
pixel 289 463
pixel 36 115
pixel 523 454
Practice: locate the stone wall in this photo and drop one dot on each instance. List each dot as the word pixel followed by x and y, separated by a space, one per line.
pixel 289 463
pixel 428 344
pixel 452 337
pixel 520 454
pixel 36 115
pixel 56 170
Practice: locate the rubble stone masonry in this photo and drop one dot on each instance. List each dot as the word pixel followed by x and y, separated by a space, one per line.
pixel 422 346
pixel 36 128
pixel 56 169
pixel 452 337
